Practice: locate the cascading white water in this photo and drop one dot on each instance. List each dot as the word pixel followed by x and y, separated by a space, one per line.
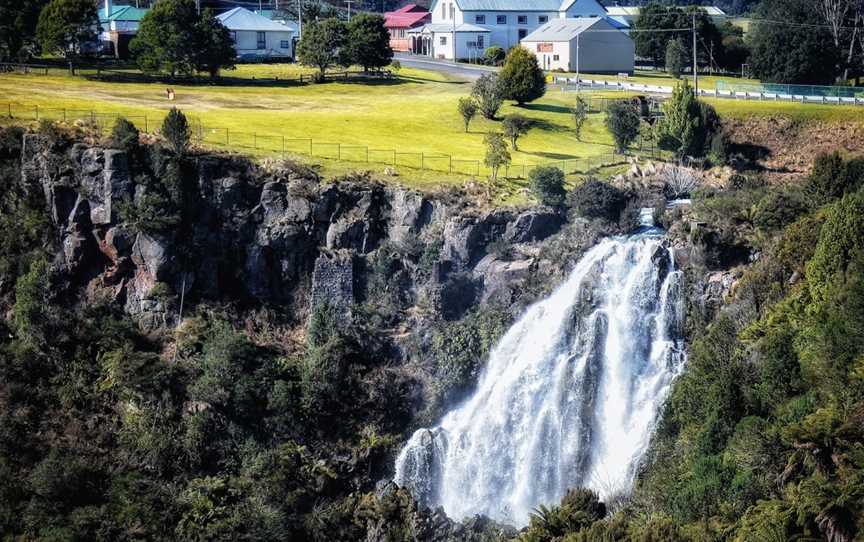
pixel 569 396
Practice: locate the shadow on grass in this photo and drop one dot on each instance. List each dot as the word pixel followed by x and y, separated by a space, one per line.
pixel 548 108
pixel 551 155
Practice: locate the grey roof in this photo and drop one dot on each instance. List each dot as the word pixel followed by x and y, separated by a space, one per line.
pixel 444 27
pixel 633 11
pixel 243 19
pixel 509 5
pixel 564 29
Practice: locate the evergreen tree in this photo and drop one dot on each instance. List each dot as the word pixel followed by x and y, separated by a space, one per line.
pixel 66 26
pixel 521 78
pixel 547 185
pixel 688 125
pixel 322 45
pixel 676 58
pixel 622 121
pixel 214 49
pixel 487 92
pixel 167 38
pixel 368 42
pixel 176 131
pixel 18 20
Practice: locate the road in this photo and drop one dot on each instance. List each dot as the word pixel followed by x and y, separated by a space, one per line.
pixel 470 72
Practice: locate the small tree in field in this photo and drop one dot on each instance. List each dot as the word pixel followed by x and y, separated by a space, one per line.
pixel 322 45
pixel 547 185
pixel 676 58
pixel 521 78
pixel 515 126
pixel 497 156
pixel 580 115
pixel 487 92
pixel 622 121
pixel 175 130
pixel 467 109
pixel 65 25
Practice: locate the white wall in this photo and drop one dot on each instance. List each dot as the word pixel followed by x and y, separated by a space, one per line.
pixel 599 52
pixel 463 51
pixel 246 43
pixel 557 59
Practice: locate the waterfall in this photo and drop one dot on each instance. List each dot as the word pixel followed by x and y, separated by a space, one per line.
pixel 569 396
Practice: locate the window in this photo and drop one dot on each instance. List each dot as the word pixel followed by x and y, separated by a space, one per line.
pixel 480 41
pixel 543 19
pixel 233 36
pixel 285 44
pixel 480 19
pixel 443 10
pixel 522 33
pixel 262 40
pixel 501 19
pixel 452 11
pixel 554 57
pixel 522 19
pixel 443 40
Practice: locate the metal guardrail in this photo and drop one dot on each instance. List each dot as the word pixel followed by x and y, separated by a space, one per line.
pixel 572 83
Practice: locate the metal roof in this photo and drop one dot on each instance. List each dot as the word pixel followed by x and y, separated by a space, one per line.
pixel 509 5
pixel 444 27
pixel 633 11
pixel 243 19
pixel 566 29
pixel 124 13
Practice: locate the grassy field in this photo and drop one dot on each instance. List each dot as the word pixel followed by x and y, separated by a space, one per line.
pixel 414 113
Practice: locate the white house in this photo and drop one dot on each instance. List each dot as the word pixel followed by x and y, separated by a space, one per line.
pixel 506 22
pixel 257 37
pixel 586 45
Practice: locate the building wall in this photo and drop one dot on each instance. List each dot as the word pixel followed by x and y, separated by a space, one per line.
pixel 600 52
pixel 467 46
pixel 558 58
pixel 246 43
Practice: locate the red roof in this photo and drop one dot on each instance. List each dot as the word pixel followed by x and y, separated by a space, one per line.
pixel 407 16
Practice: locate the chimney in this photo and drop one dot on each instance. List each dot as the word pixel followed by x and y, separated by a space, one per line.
pixel 107 8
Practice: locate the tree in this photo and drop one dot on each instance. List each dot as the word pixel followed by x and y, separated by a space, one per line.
pixel 494 55
pixel 797 53
pixel 580 115
pixel 167 38
pixel 214 49
pixel 497 155
pixel 515 126
pixel 687 124
pixel 18 20
pixel 675 23
pixel 124 135
pixel 840 16
pixel 467 109
pixel 322 45
pixel 596 199
pixel 487 92
pixel 66 26
pixel 676 58
pixel 622 121
pixel 175 130
pixel 368 41
pixel 521 78
pixel 547 185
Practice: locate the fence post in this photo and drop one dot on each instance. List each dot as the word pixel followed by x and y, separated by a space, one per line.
pixel 92 116
pixel 37 112
pixel 227 137
pixel 283 146
pixel 449 164
pixel 310 147
pixel 64 114
pixel 145 123
pixel 367 154
pixel 422 160
pixel 255 140
pixel 9 105
pixel 338 151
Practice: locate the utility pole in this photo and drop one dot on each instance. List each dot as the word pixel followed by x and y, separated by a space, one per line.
pixel 349 2
pixel 578 84
pixel 695 70
pixel 299 19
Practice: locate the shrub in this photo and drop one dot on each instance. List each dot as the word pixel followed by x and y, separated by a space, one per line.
pixel 777 209
pixel 175 130
pixel 515 126
pixel 622 121
pixel 831 177
pixel 467 110
pixel 676 58
pixel 687 124
pixel 678 182
pixel 124 136
pixel 487 92
pixel 839 239
pixel 521 78
pixel 31 313
pixel 547 185
pixel 579 509
pixel 596 199
pixel 494 55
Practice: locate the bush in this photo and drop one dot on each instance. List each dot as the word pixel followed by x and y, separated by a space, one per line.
pixel 622 121
pixel 124 136
pixel 676 58
pixel 487 92
pixel 515 126
pixel 678 182
pixel 547 185
pixel 494 55
pixel 831 177
pixel 688 125
pixel 578 510
pixel 596 199
pixel 175 130
pixel 778 209
pixel 521 78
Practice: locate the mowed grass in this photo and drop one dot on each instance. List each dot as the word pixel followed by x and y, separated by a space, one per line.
pixel 414 113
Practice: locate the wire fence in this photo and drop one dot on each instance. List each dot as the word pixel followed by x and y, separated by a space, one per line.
pixel 288 145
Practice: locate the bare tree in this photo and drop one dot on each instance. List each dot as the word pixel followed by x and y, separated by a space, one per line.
pixel 844 18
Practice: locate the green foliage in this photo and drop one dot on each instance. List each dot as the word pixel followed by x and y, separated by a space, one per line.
pixel 65 27
pixel 676 58
pixel 580 115
pixel 494 55
pixel 597 199
pixel 579 509
pixel 521 78
pixel 840 239
pixel 796 53
pixel 497 156
pixel 779 208
pixel 676 22
pixel 322 45
pixel 547 185
pixel 514 126
pixel 18 20
pixel 467 110
pixel 213 49
pixel 622 121
pixel 688 125
pixel 124 136
pixel 31 314
pixel 831 176
pixel 489 95
pixel 368 41
pixel 168 37
pixel 176 131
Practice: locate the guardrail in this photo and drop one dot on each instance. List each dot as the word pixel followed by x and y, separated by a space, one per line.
pixel 572 83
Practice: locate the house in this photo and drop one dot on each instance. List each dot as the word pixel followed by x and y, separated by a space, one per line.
pixel 119 25
pixel 586 45
pixel 628 14
pixel 399 22
pixel 505 22
pixel 257 37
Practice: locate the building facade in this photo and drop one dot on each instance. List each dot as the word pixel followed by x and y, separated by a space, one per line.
pixel 400 22
pixel 119 24
pixel 257 37
pixel 585 45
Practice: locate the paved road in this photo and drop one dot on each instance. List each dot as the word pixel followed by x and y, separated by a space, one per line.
pixel 464 71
